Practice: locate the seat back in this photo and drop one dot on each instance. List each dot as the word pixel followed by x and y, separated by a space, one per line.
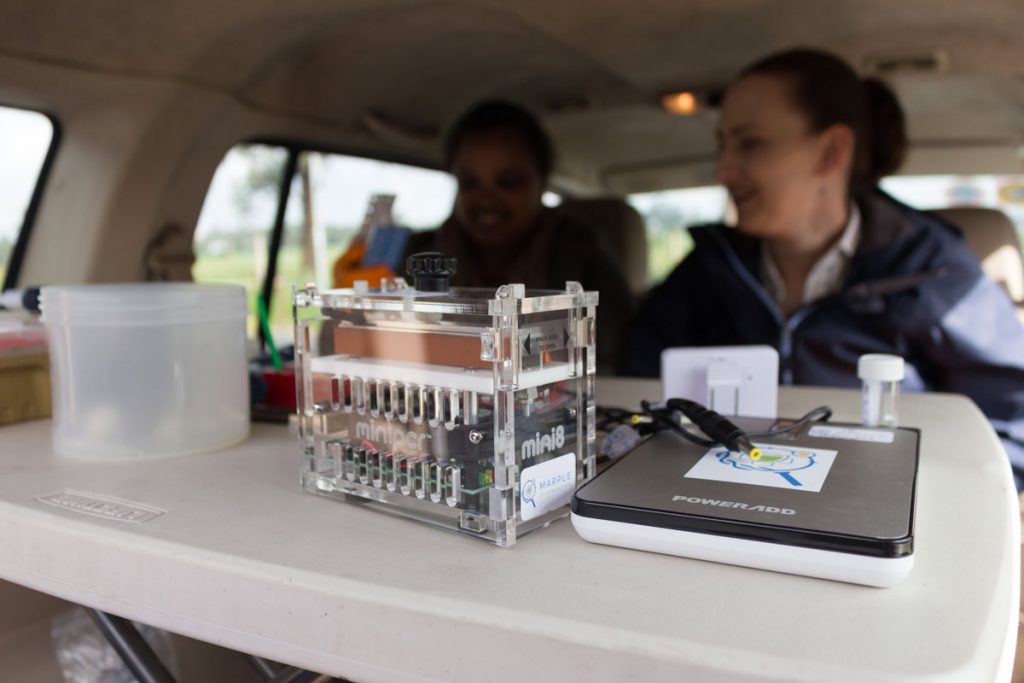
pixel 620 229
pixel 991 235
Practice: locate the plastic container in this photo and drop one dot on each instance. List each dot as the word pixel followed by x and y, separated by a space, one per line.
pixel 881 374
pixel 145 370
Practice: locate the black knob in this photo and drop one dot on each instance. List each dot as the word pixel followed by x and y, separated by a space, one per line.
pixel 431 271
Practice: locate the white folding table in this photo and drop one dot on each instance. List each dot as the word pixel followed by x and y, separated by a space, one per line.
pixel 233 552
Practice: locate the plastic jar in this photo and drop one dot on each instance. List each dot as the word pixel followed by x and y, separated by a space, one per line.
pixel 143 370
pixel 880 374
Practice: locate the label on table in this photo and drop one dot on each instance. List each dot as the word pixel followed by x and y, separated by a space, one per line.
pixel 98 505
pixel 852 434
pixel 547 486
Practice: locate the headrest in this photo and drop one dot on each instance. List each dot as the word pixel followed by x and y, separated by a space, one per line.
pixel 991 235
pixel 620 229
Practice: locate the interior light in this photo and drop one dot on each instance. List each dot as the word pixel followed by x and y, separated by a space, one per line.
pixel 683 103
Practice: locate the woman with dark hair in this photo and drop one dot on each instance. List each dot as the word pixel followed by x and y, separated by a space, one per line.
pixel 824 266
pixel 501 233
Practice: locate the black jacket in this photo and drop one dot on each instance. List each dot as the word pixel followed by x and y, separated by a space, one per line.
pixel 913 289
pixel 571 252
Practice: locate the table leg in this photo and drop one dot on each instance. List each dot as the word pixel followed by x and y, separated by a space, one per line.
pixel 132 648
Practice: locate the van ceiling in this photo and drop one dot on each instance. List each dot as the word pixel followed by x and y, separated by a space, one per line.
pixel 592 68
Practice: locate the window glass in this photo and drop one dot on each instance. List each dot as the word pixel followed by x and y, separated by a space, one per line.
pixel 232 237
pixel 25 137
pixel 1005 192
pixel 320 224
pixel 235 227
pixel 668 214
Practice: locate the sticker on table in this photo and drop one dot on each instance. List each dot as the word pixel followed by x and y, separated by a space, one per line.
pixel 98 505
pixel 547 486
pixel 784 467
pixel 852 434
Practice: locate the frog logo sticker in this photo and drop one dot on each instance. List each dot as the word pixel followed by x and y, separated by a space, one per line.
pixel 786 467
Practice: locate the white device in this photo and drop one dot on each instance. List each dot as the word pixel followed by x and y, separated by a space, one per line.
pixel 819 564
pixel 731 380
pixel 832 501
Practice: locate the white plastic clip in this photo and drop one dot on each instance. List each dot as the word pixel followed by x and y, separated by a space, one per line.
pixel 724 379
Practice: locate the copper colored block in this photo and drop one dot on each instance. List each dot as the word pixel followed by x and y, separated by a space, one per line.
pixel 415 347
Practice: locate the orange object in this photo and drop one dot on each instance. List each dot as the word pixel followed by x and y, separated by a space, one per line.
pixel 347 268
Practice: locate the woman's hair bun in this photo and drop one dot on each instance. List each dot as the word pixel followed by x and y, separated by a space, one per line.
pixel 887 129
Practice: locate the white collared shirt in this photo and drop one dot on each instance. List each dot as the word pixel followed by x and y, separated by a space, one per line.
pixel 827 274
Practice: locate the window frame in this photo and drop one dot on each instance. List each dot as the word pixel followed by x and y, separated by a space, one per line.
pixel 293 148
pixel 17 257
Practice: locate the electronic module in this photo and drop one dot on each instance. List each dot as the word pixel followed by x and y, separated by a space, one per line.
pixel 470 409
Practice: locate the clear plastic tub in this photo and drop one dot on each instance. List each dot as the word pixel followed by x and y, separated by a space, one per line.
pixel 146 370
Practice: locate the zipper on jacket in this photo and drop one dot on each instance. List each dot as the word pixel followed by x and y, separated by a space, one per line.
pixel 786 326
pixel 786 341
pixel 867 291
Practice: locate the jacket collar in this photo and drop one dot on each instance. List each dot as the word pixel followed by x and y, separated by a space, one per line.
pixel 888 230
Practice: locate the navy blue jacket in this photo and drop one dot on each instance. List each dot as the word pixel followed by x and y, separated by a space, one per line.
pixel 912 289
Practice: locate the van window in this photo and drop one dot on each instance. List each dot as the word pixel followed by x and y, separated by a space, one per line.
pixel 1005 192
pixel 668 215
pixel 233 236
pixel 25 139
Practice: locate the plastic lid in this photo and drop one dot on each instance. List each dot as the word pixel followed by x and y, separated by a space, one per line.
pixel 880 367
pixel 143 303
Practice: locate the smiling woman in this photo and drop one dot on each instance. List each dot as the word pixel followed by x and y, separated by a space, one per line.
pixel 25 137
pixel 500 232
pixel 826 267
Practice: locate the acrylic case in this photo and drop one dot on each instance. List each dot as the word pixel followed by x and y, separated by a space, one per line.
pixel 469 409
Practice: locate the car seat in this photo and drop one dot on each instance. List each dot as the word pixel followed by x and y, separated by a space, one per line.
pixel 620 229
pixel 991 235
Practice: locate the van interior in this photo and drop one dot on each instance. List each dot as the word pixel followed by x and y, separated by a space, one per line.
pixel 161 141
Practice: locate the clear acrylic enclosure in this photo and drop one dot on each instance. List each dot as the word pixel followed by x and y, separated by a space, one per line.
pixel 470 409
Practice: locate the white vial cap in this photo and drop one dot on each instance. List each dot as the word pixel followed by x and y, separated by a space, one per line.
pixel 880 367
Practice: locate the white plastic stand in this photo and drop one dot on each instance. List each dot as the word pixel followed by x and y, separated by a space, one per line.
pixel 731 380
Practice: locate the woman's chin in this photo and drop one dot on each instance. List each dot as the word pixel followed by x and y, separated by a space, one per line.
pixel 494 237
pixel 754 227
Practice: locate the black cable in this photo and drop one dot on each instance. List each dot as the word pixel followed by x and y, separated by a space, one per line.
pixel 718 427
pixel 722 431
pixel 608 418
pixel 666 418
pixel 819 414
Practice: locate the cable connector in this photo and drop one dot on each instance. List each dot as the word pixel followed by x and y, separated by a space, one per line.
pixel 715 426
pixel 743 444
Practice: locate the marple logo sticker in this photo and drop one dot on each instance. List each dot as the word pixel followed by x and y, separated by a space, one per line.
pixel 784 467
pixel 547 486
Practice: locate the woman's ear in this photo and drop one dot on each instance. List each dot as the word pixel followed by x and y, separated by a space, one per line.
pixel 837 150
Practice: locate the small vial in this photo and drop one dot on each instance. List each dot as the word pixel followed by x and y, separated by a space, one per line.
pixel 881 374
